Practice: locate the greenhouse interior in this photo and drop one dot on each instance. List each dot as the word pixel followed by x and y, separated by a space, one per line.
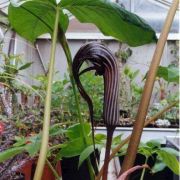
pixel 89 90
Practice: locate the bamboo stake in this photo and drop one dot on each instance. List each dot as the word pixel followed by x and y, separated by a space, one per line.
pixel 125 141
pixel 143 107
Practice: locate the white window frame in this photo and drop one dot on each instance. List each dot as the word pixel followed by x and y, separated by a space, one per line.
pixel 100 36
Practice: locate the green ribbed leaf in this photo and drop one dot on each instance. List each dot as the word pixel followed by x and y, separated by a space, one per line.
pixel 35 18
pixel 112 20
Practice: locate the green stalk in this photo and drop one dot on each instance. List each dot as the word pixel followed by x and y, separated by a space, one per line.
pixel 47 110
pixel 69 61
pixel 144 169
pixel 52 148
pixel 53 170
pixel 67 51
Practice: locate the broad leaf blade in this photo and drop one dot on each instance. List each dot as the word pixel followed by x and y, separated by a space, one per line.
pixel 35 18
pixel 31 19
pixel 73 148
pixel 112 20
pixel 75 131
pixel 170 160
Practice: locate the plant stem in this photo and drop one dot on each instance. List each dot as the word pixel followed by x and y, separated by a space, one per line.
pixel 52 148
pixel 53 170
pixel 147 92
pixel 144 169
pixel 67 51
pixel 47 110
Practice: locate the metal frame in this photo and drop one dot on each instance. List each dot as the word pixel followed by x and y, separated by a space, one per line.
pixel 100 36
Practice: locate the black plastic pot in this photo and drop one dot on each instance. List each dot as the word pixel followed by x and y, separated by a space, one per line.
pixel 70 170
pixel 166 174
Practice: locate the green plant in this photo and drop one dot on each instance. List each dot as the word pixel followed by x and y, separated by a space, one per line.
pixel 167 79
pixel 30 145
pixel 33 18
pixel 62 96
pixel 123 55
pixel 127 139
pixel 164 157
pixel 169 73
pixel 10 73
pixel 135 90
pixel 75 146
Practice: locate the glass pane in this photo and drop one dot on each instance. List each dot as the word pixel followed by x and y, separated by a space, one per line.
pixel 155 12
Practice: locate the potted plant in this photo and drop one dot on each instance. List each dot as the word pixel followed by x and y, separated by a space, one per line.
pixel 158 158
pixel 29 19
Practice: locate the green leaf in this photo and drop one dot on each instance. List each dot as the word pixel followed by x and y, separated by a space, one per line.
pixel 158 166
pixel 171 151
pixel 75 131
pixel 112 20
pixel 56 130
pixel 154 143
pixel 146 151
pixel 170 160
pixel 35 18
pixel 100 138
pixel 135 74
pixel 7 154
pixel 170 73
pixel 87 152
pixel 123 150
pixel 33 148
pixel 33 145
pixel 19 141
pixel 73 148
pixel 25 66
pixel 116 140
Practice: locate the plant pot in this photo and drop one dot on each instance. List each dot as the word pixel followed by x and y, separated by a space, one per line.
pixel 28 170
pixel 148 133
pixel 70 170
pixel 166 174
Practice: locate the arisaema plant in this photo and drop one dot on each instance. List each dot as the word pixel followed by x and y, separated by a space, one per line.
pixel 33 18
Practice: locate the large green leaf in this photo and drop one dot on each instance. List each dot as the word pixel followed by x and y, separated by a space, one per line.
pixel 73 148
pixel 75 131
pixel 34 18
pixel 171 151
pixel 170 160
pixel 112 20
